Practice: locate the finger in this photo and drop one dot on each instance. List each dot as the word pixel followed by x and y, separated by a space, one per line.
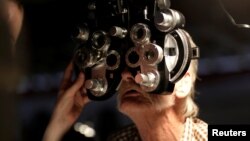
pixel 81 99
pixel 83 91
pixel 77 84
pixel 83 95
pixel 67 75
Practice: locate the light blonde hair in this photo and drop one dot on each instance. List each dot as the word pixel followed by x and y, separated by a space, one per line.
pixel 191 109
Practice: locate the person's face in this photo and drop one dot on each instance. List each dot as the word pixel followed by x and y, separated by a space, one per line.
pixel 132 98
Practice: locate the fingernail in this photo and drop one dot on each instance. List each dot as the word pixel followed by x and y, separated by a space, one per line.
pixel 80 75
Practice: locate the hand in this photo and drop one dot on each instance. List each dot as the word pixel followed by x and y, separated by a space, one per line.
pixel 72 98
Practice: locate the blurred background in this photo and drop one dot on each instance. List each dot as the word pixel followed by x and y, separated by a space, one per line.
pixel 45 48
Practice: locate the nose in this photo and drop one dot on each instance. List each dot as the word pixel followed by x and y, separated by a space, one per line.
pixel 127 76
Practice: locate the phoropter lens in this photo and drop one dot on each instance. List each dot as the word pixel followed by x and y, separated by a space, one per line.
pixel 100 40
pixel 140 33
pixel 132 58
pixel 113 60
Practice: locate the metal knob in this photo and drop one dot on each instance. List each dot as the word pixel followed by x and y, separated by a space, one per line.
pixel 163 4
pixel 81 33
pixel 169 20
pixel 163 19
pixel 147 80
pixel 94 85
pixel 118 32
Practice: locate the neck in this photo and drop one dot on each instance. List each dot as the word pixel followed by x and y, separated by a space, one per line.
pixel 160 126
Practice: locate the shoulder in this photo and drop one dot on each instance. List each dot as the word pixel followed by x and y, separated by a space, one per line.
pixel 200 123
pixel 200 128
